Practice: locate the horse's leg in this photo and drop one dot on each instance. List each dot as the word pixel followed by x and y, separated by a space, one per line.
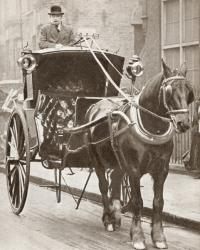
pixel 107 218
pixel 115 186
pixel 136 232
pixel 157 234
pixel 103 187
pixel 135 204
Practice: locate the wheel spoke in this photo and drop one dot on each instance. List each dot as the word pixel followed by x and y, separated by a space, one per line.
pixel 16 189
pixel 22 181
pixel 22 153
pixel 12 186
pixel 16 132
pixel 14 196
pixel 17 185
pixel 12 181
pixel 13 150
pixel 22 173
pixel 11 172
pixel 12 146
pixel 21 185
pixel 14 137
pixel 21 146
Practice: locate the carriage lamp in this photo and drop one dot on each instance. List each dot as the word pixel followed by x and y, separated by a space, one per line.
pixel 135 67
pixel 27 62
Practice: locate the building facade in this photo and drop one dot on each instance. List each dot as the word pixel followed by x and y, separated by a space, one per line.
pixel 21 21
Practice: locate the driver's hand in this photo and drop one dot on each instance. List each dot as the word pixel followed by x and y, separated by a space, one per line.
pixel 58 45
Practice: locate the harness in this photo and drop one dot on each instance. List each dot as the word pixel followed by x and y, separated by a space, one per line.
pixel 165 82
pixel 115 117
pixel 172 113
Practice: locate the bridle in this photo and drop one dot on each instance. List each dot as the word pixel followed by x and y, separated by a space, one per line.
pixel 171 113
pixel 167 86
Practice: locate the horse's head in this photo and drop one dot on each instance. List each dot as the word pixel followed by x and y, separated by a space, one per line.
pixel 176 93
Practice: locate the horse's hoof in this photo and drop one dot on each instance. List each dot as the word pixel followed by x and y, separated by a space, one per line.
pixel 109 228
pixel 160 245
pixel 139 245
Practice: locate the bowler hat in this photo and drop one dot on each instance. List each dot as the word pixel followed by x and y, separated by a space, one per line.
pixel 55 10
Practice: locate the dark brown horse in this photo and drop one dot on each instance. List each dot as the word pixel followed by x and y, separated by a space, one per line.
pixel 142 142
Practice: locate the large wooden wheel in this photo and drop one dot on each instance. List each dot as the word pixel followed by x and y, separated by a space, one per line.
pixel 17 160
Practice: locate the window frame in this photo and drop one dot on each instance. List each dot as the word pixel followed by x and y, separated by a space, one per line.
pixel 181 45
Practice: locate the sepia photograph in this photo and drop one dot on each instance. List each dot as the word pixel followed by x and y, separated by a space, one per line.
pixel 99 124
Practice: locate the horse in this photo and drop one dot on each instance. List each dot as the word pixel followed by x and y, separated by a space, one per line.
pixel 162 109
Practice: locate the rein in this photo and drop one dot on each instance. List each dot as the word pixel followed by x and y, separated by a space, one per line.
pixel 105 72
pixel 120 90
pixel 162 118
pixel 171 113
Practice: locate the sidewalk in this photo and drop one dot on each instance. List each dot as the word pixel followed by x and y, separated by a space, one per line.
pixel 181 193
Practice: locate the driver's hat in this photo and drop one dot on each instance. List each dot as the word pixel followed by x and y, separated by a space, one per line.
pixel 55 10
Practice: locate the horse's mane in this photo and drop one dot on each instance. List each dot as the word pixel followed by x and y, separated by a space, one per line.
pixel 152 86
pixel 150 99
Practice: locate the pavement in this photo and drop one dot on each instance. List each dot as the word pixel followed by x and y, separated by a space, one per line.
pixel 181 192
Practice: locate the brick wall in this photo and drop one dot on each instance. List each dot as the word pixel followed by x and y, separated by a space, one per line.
pixel 111 19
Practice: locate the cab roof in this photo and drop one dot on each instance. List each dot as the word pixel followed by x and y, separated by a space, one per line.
pixel 67 50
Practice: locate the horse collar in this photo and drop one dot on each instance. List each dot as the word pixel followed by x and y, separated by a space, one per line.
pixel 139 130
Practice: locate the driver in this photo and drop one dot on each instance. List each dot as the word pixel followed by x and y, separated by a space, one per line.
pixel 55 34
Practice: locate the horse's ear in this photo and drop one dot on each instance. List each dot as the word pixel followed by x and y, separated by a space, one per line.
pixel 183 69
pixel 166 70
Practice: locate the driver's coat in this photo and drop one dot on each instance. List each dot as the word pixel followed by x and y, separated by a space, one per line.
pixel 50 36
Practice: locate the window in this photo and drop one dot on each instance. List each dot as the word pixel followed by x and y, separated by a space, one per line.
pixel 180 36
pixel 190 20
pixel 180 43
pixel 171 22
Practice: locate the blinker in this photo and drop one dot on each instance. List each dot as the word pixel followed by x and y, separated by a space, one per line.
pixel 168 91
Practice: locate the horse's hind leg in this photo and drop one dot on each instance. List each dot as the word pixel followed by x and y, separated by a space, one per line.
pixel 157 234
pixel 103 187
pixel 115 206
pixel 111 212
